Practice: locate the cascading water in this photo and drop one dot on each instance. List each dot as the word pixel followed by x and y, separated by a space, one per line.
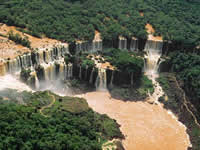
pixel 91 47
pixel 13 65
pixel 112 78
pixel 153 51
pixel 49 60
pixel 101 81
pixel 91 76
pixel 69 71
pixel 96 46
pixel 37 83
pixel 62 71
pixel 3 68
pixel 122 43
pixel 9 81
pixel 134 44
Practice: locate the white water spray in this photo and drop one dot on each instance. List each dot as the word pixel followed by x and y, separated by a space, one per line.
pixel 101 81
pixel 10 81
pixel 153 51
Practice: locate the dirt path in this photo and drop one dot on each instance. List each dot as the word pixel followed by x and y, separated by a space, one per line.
pixel 47 106
pixel 185 102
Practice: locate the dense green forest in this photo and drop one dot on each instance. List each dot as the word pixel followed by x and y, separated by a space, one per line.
pixel 22 124
pixel 187 68
pixel 69 20
pixel 68 124
pixel 124 61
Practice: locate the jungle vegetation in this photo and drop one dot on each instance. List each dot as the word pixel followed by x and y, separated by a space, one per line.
pixel 68 124
pixel 187 68
pixel 69 20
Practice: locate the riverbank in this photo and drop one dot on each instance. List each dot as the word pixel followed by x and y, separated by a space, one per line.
pixel 175 101
pixel 144 125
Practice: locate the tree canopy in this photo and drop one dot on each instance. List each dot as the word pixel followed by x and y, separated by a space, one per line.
pixel 70 20
pixel 187 67
pixel 68 124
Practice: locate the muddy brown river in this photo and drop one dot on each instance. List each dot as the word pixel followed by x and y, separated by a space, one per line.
pixel 145 126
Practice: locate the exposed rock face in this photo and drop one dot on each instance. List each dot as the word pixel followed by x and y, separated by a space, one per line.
pixel 47 59
pixel 151 31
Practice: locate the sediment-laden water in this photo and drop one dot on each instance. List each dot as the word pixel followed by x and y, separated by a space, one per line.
pixel 145 126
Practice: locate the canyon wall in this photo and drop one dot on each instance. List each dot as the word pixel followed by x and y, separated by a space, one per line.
pixel 46 63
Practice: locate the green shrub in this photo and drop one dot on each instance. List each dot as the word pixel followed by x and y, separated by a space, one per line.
pixel 146 85
pixel 69 20
pixel 74 83
pixel 19 40
pixel 25 74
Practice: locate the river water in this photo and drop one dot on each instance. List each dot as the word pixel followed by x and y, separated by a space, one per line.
pixel 145 126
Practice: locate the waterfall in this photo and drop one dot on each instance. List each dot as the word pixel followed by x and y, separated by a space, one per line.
pixel 78 47
pixel 14 65
pixel 25 61
pixel 96 46
pixel 47 56
pixel 65 72
pixel 49 71
pixel 90 47
pixel 9 81
pixel 41 57
pixel 134 44
pixel 91 76
pixel 69 73
pixel 101 81
pixel 153 51
pixel 44 65
pixel 46 76
pixel 122 43
pixel 37 83
pixel 62 71
pixel 2 68
pixel 112 78
pixel 52 71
